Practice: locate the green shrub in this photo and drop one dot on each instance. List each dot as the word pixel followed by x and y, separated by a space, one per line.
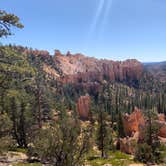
pixel 6 141
pixel 144 153
pixel 62 143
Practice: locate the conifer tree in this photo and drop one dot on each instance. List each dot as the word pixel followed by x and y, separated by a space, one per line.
pixel 149 149
pixel 103 136
pixel 7 21
pixel 63 143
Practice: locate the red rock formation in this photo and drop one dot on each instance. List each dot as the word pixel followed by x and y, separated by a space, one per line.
pixel 57 53
pixel 127 145
pixel 79 68
pixel 133 122
pixel 133 125
pixel 162 122
pixel 162 131
pixel 83 107
pixel 161 117
pixel 41 53
pixel 50 71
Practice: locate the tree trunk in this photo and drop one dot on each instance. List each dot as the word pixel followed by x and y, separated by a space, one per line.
pixel 39 109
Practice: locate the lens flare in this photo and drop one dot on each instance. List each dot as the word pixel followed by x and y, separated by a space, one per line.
pixel 98 13
pixel 105 16
pixel 100 18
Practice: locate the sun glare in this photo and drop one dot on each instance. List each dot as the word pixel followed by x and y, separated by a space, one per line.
pixel 101 16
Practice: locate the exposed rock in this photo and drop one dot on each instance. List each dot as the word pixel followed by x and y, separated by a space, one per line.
pixel 133 122
pixel 163 140
pixel 11 158
pixel 127 145
pixel 162 117
pixel 41 53
pixel 83 107
pixel 57 53
pixel 162 131
pixel 79 68
pixel 162 124
pixel 50 71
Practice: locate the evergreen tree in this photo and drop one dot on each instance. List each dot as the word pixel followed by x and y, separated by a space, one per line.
pixel 121 132
pixel 63 143
pixel 22 121
pixel 149 149
pixel 6 22
pixel 103 136
pixel 119 107
pixel 6 141
pixel 40 87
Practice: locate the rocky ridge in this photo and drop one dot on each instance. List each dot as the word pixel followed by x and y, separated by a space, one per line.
pixel 80 69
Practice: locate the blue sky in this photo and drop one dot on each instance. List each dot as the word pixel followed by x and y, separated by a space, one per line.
pixel 112 29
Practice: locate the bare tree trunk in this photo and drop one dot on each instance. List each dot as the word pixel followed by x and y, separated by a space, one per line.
pixel 39 108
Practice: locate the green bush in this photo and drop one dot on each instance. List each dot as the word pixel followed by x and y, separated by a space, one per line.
pixel 6 141
pixel 63 143
pixel 144 153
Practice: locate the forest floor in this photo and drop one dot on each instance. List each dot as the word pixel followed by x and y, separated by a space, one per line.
pixel 114 159
pixel 11 158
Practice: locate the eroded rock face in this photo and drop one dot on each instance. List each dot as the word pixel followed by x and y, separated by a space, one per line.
pixel 79 69
pixel 126 145
pixel 133 122
pixel 83 107
pixel 50 71
pixel 42 53
pixel 162 124
pixel 162 131
pixel 161 117
pixel 133 125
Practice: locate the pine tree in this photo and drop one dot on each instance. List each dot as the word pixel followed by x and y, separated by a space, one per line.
pixel 103 133
pixel 7 21
pixel 149 149
pixel 121 132
pixel 22 127
pixel 6 140
pixel 63 143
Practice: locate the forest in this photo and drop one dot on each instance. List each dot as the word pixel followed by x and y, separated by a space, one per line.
pixel 107 113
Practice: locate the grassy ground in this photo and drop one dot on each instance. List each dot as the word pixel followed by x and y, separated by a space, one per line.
pixel 93 158
pixel 28 164
pixel 115 158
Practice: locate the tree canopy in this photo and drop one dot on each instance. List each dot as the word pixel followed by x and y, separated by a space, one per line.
pixel 7 21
